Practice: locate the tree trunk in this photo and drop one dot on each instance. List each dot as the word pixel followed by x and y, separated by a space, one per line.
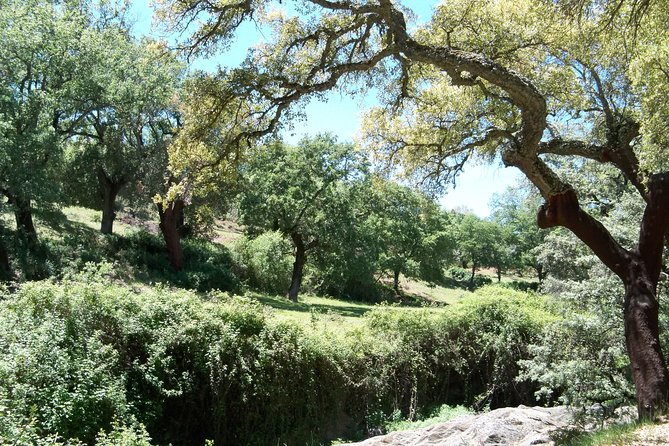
pixel 649 369
pixel 499 274
pixel 24 220
pixel 396 282
pixel 298 266
pixel 540 273
pixel 5 269
pixel 169 227
pixel 110 190
pixel 471 279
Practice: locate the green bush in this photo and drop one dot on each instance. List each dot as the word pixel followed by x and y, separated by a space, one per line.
pixel 581 358
pixel 459 274
pixel 267 260
pixel 87 355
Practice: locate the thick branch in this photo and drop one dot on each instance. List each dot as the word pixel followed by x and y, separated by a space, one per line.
pixel 564 210
pixel 620 155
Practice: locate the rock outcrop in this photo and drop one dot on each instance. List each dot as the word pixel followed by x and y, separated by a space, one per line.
pixel 519 426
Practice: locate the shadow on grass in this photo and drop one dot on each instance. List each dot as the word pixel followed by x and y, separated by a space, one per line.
pixel 66 246
pixel 281 303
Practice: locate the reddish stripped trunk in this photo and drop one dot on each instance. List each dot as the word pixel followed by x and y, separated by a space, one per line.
pixel 171 215
pixel 649 370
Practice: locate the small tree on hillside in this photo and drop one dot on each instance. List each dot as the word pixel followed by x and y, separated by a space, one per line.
pixel 412 232
pixel 289 189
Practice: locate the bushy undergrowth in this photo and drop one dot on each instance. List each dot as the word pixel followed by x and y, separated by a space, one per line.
pixel 86 356
pixel 441 414
pixel 581 357
pixel 266 261
pixel 138 256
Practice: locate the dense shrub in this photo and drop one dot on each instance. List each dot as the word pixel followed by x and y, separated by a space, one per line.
pixel 581 357
pixel 140 255
pixel 267 260
pixel 87 355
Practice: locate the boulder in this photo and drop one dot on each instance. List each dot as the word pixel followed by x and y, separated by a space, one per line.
pixel 520 426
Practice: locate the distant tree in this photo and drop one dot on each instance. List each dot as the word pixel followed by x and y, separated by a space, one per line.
pixel 120 136
pixel 289 189
pixel 481 243
pixel 413 233
pixel 515 210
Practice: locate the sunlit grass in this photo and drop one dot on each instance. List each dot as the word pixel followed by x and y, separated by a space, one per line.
pixel 433 293
pixel 440 415
pixel 616 435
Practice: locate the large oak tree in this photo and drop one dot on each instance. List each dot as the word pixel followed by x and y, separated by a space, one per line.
pixel 511 79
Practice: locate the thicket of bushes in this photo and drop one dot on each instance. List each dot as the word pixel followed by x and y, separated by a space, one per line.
pixel 86 355
pixel 137 256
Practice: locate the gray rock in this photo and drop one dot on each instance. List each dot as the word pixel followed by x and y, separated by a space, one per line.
pixel 520 426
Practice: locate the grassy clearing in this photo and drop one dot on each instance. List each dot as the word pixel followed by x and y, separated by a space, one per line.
pixel 433 293
pixel 325 312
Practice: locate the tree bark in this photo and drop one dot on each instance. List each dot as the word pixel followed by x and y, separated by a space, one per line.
pixel 169 227
pixel 298 266
pixel 24 220
pixel 540 272
pixel 5 269
pixel 649 370
pixel 110 190
pixel 396 281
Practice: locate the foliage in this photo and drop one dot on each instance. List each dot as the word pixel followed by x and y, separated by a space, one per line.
pixel 267 261
pixel 441 414
pixel 413 234
pixel 300 192
pixel 482 243
pixel 89 354
pixel 581 358
pixel 515 210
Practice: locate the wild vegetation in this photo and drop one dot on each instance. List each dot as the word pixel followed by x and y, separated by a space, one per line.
pixel 173 272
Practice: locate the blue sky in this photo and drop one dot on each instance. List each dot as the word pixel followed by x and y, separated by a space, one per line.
pixel 340 114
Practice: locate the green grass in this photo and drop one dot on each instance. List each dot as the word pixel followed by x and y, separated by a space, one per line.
pixel 430 293
pixel 616 435
pixel 440 415
pixel 327 313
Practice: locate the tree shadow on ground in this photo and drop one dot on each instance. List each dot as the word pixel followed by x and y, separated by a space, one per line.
pixel 282 303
